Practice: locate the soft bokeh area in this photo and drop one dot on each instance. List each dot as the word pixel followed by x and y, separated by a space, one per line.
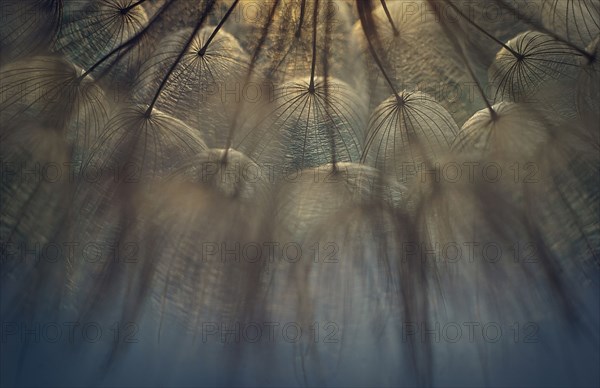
pixel 299 193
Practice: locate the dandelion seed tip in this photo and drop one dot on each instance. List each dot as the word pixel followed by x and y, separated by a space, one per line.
pixel 334 168
pixel 225 156
pixel 400 99
pixel 494 116
pixel 148 112
pixel 592 58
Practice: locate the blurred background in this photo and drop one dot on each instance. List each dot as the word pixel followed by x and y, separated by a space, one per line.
pixel 299 193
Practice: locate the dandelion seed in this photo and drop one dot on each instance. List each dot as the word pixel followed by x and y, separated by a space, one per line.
pixel 28 27
pixel 576 20
pixel 230 173
pixel 539 70
pixel 312 195
pixel 154 143
pixel 302 123
pixel 53 92
pixel 92 31
pixel 205 88
pixel 515 131
pixel 406 133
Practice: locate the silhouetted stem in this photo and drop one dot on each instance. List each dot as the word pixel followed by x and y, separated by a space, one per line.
pixel 162 85
pixel 483 31
pixel 460 49
pixel 311 87
pixel 366 20
pixel 218 28
pixel 301 21
pixel 389 17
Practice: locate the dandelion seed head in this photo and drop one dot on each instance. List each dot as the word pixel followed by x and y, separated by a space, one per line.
pixel 92 31
pixel 204 90
pixel 516 131
pixel 307 128
pixel 406 133
pixel 148 144
pixel 576 20
pixel 28 27
pixel 542 72
pixel 51 91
